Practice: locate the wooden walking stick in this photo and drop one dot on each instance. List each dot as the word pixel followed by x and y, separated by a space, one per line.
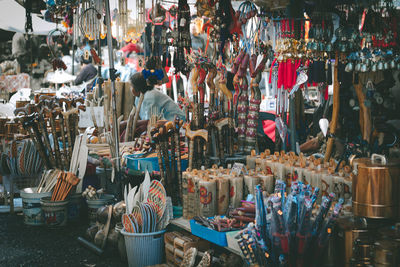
pixel 365 113
pixel 45 134
pixel 212 113
pixel 75 121
pixel 163 131
pixel 196 105
pixel 335 111
pixel 219 124
pixel 192 135
pixel 212 72
pixel 137 115
pixel 201 88
pixel 129 124
pixel 44 144
pixel 156 138
pixel 58 111
pixel 50 114
pixel 29 124
pixel 68 128
pixel 177 125
pixel 228 94
pixel 68 103
pixel 195 116
pixel 169 132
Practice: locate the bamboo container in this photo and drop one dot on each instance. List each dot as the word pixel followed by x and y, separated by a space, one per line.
pixel 251 160
pixel 338 183
pixel 327 181
pixel 222 195
pixel 207 197
pixel 235 192
pixel 196 204
pixel 191 194
pixel 250 182
pixel 288 170
pixel 308 173
pixel 267 182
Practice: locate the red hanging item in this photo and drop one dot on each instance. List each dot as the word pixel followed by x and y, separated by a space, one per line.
pixel 270 71
pixel 281 71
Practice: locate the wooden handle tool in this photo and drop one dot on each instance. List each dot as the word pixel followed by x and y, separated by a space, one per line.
pixel 50 114
pixel 192 135
pixel 177 125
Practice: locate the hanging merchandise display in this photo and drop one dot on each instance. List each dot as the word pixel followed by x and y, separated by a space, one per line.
pixel 268 128
pixel 91 20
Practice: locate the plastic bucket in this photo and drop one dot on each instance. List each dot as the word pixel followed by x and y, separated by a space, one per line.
pixel 95 204
pixel 55 212
pixel 33 214
pixel 74 207
pixel 121 242
pixel 144 249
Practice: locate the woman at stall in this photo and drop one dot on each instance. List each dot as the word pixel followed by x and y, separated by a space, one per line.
pixel 154 103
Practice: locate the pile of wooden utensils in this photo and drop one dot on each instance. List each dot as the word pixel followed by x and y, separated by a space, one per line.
pixel 48 180
pixel 166 138
pixel 65 182
pixel 58 181
pixel 61 116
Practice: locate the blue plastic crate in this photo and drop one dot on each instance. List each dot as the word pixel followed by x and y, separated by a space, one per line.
pixel 135 162
pixel 208 234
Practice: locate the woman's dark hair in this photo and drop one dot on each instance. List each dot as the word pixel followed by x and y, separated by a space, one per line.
pixel 139 83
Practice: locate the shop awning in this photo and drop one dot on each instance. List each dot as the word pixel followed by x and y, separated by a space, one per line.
pixel 12 18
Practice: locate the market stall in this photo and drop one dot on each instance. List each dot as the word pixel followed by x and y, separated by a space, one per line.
pixel 215 133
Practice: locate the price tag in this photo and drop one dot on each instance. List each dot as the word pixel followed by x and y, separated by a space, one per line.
pixel 183 22
pixel 238 168
pixel 85 117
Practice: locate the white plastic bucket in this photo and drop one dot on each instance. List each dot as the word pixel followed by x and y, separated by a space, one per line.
pixel 33 213
pixel 144 249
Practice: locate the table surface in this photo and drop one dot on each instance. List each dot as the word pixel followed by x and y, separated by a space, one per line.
pixel 185 224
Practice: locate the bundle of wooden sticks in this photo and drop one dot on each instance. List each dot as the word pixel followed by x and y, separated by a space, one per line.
pixel 65 182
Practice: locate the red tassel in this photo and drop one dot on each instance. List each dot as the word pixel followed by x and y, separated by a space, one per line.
pixel 96 58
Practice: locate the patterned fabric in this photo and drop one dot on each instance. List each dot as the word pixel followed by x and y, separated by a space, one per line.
pixel 12 83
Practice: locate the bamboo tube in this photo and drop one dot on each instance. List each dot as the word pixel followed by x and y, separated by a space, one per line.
pixel 365 113
pixel 335 112
pixel 223 195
